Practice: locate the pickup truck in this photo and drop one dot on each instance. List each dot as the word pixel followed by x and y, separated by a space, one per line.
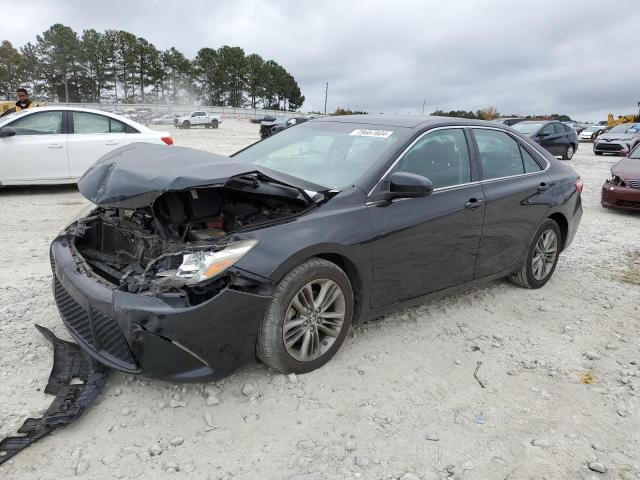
pixel 197 118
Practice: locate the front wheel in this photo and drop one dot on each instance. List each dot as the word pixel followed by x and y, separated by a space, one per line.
pixel 186 124
pixel 542 257
pixel 308 318
pixel 214 124
pixel 598 153
pixel 568 153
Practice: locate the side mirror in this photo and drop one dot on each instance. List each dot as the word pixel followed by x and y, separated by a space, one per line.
pixel 7 132
pixel 543 134
pixel 408 185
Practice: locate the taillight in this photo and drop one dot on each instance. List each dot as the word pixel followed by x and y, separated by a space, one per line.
pixel 579 185
pixel 167 140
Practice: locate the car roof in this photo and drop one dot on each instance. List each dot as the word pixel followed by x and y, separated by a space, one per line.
pixel 403 121
pixel 115 116
pixel 538 121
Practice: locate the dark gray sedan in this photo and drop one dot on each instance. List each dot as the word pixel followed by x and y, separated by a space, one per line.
pixel 557 138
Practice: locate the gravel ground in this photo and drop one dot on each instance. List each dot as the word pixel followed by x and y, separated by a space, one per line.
pixel 398 401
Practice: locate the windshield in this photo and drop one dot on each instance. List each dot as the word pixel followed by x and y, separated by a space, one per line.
pixel 593 128
pixel 331 154
pixel 527 128
pixel 622 128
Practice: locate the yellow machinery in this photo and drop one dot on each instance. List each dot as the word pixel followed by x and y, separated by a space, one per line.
pixel 621 119
pixel 6 105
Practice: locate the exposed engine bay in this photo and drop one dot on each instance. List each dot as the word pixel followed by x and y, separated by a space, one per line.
pixel 161 248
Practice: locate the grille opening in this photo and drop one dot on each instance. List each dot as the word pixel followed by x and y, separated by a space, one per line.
pixel 100 332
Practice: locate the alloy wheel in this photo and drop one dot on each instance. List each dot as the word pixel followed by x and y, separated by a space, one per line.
pixel 570 152
pixel 313 320
pixel 544 255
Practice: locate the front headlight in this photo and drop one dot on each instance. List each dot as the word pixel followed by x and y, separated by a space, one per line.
pixel 197 267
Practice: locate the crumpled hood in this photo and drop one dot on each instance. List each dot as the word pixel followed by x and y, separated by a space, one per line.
pixel 627 169
pixel 135 175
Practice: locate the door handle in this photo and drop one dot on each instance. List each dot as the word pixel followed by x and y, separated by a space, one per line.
pixel 544 186
pixel 111 142
pixel 474 203
pixel 55 145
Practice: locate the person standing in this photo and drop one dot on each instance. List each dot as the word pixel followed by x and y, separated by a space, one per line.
pixel 23 99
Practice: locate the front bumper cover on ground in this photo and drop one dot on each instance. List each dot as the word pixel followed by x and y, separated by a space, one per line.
pixel 75 380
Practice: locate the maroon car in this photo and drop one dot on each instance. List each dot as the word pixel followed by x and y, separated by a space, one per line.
pixel 623 189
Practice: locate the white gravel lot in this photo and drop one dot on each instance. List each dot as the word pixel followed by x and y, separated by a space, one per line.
pixel 398 401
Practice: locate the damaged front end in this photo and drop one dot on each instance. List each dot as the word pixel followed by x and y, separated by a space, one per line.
pixel 146 283
pixel 180 246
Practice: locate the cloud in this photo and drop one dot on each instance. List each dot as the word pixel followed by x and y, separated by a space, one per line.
pixel 522 57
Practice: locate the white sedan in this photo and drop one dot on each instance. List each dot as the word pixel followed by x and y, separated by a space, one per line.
pixel 52 145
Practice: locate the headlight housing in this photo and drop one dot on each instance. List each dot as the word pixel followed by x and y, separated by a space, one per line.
pixel 197 267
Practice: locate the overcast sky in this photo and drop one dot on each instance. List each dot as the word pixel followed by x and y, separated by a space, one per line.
pixel 578 57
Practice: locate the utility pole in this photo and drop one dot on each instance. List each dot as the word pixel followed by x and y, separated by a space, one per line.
pixel 326 92
pixel 66 88
pixel 424 102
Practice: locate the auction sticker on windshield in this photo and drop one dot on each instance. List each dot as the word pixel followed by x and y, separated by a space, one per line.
pixel 371 133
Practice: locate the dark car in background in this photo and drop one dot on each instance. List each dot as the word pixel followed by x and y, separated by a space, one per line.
pixel 271 128
pixel 509 121
pixel 190 262
pixel 557 138
pixel 264 118
pixel 619 139
pixel 622 190
pixel 575 125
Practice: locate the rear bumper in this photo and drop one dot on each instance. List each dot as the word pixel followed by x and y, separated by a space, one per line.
pixel 624 198
pixel 150 335
pixel 574 222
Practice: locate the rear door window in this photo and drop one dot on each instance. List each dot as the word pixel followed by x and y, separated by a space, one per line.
pixel 88 123
pixel 500 154
pixel 530 164
pixel 560 128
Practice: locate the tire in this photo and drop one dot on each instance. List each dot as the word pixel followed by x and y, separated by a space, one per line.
pixel 568 152
pixel 527 277
pixel 271 348
pixel 598 153
pixel 214 124
pixel 206 125
pixel 186 124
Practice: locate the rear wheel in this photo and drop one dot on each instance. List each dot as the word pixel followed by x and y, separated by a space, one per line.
pixel 542 257
pixel 308 318
pixel 568 153
pixel 206 125
pixel 186 124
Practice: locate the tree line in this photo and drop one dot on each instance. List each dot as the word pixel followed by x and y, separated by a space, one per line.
pixel 118 67
pixel 491 113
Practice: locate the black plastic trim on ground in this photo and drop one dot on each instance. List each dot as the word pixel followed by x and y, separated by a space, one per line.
pixel 69 364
